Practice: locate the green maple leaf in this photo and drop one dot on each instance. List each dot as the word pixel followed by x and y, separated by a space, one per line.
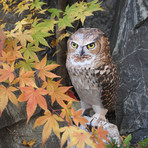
pixel 39 37
pixel 70 9
pixel 37 4
pixel 47 25
pixel 27 65
pixel 29 52
pixel 94 6
pixel 54 12
pixel 65 22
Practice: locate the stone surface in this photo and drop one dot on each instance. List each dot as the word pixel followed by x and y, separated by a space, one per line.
pixel 130 51
pixel 13 136
pixel 103 19
pixel 113 133
pixel 12 114
pixel 112 129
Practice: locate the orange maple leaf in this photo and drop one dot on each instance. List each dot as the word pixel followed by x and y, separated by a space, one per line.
pixel 102 133
pixel 66 113
pixel 33 97
pixel 77 118
pixel 25 78
pixel 58 94
pixel 7 94
pixel 7 57
pixel 80 138
pixel 7 72
pixel 100 145
pixel 11 43
pixel 51 124
pixel 44 71
pixel 50 84
pixel 29 143
pixel 98 135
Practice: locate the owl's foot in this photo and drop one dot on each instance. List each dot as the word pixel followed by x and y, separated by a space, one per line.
pixel 96 118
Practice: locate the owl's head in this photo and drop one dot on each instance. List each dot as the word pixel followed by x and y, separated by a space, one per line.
pixel 87 44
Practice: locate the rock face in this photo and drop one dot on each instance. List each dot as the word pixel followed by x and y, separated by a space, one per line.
pixel 130 50
pixel 103 19
pixel 113 133
pixel 14 135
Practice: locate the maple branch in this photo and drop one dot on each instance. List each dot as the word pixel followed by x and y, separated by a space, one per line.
pixel 55 111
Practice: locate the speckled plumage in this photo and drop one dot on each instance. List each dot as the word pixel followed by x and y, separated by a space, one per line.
pixel 91 70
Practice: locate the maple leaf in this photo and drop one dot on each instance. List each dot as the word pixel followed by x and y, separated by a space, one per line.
pixel 54 12
pixel 80 138
pixel 65 22
pixel 33 97
pixel 77 118
pixel 58 94
pixel 66 113
pixel 20 24
pixel 50 84
pixel 25 78
pixel 11 43
pixel 44 71
pixel 7 94
pixel 29 143
pixel 102 133
pixel 46 24
pixel 7 72
pixel 6 6
pixel 94 6
pixel 70 9
pixel 12 51
pixel 23 37
pixel 62 36
pixel 21 7
pixel 26 64
pixel 98 135
pixel 37 4
pixel 39 37
pixel 51 124
pixel 67 133
pixel 8 57
pixel 29 52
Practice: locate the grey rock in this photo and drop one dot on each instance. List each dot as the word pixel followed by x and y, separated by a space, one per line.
pixel 13 136
pixel 12 114
pixel 103 19
pixel 130 51
pixel 113 133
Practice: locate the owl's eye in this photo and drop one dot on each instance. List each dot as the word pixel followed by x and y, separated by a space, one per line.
pixel 91 45
pixel 74 45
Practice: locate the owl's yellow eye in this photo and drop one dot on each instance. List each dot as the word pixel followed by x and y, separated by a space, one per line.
pixel 74 45
pixel 91 45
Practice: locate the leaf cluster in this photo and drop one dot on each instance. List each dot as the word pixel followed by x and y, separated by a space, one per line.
pixel 21 69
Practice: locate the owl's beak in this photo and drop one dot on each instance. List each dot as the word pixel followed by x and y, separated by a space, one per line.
pixel 81 52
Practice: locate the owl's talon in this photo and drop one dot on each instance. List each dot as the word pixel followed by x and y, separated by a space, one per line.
pixel 96 118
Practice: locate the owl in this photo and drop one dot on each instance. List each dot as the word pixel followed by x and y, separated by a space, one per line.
pixel 92 71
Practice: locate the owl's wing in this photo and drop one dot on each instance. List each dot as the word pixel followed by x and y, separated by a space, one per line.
pixel 107 77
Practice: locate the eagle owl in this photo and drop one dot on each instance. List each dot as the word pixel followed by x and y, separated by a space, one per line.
pixel 92 71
